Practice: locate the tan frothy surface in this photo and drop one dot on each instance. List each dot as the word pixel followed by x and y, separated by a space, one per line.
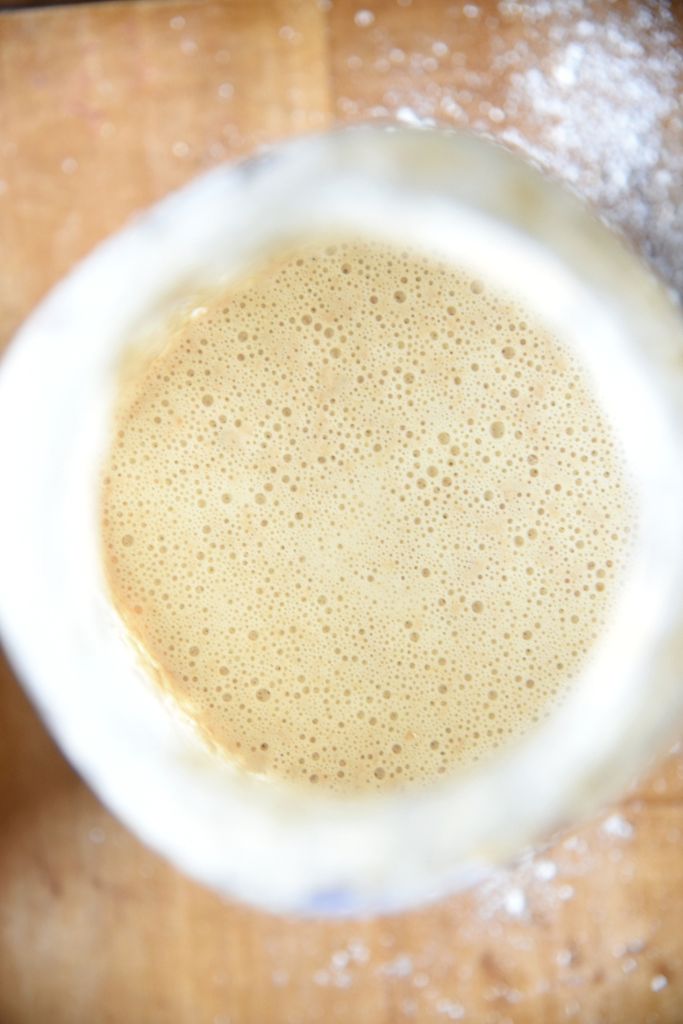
pixel 365 516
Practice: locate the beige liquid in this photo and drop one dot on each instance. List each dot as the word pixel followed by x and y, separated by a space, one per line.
pixel 365 517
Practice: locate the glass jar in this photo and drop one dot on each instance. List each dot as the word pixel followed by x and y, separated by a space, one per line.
pixel 466 201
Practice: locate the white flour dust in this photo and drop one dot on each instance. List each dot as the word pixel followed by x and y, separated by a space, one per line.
pixel 589 91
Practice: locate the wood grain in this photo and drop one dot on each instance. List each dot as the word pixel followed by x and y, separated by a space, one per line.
pixel 102 110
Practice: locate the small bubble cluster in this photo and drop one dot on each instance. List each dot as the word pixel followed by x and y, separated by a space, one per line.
pixel 366 516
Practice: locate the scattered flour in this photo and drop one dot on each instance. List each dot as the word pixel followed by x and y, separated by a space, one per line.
pixel 593 100
pixel 618 827
pixel 364 19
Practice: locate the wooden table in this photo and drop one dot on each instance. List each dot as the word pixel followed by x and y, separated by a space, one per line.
pixel 104 109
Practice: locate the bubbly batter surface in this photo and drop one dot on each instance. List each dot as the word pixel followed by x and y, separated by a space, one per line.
pixel 365 516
